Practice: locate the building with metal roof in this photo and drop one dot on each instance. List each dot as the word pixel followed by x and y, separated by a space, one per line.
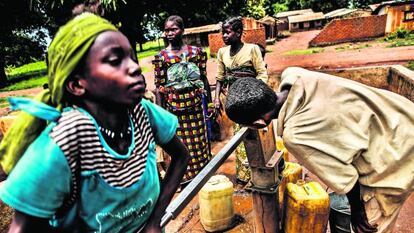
pixel 306 21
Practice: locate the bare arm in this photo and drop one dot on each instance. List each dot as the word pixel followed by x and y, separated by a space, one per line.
pixel 217 98
pixel 179 160
pixel 157 96
pixel 207 88
pixel 25 223
pixel 359 218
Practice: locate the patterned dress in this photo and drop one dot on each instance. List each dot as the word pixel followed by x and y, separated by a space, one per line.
pixel 185 96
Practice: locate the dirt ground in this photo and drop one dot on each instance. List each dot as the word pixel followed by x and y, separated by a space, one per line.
pixel 357 54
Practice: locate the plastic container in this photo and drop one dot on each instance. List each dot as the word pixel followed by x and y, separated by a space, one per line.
pixel 307 208
pixel 281 147
pixel 216 204
pixel 291 174
pixel 340 214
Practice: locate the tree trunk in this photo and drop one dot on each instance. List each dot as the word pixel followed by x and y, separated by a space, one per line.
pixel 3 77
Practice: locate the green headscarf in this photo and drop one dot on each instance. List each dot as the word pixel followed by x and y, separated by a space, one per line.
pixel 70 44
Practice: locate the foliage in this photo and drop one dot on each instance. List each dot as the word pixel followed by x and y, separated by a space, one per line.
pixel 410 65
pixel 304 51
pixel 3 102
pixel 319 5
pixel 403 33
pixel 279 7
pixel 30 83
pixel 401 37
pixel 255 9
pixel 28 47
pixel 31 69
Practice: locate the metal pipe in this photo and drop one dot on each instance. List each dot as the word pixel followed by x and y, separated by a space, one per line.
pixel 179 203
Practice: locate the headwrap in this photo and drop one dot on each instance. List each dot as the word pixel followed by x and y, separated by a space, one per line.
pixel 69 46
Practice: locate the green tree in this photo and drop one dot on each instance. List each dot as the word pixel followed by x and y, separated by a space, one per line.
pixel 255 9
pixel 22 17
pixel 23 28
pixel 279 7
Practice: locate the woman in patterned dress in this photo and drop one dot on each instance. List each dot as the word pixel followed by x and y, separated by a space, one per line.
pixel 182 88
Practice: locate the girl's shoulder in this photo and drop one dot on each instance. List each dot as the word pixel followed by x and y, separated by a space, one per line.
pixel 72 123
pixel 224 50
pixel 74 117
pixel 250 46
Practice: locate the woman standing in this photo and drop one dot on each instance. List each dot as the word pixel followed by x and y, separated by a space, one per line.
pixel 182 88
pixel 237 60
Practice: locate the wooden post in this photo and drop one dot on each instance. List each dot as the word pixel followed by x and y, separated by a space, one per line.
pixel 261 148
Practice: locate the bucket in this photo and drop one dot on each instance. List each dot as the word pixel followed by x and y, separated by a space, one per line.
pixel 340 214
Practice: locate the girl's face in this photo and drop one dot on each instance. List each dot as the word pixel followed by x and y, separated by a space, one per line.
pixel 230 36
pixel 173 33
pixel 112 73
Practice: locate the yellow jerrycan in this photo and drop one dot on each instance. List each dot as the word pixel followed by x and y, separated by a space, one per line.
pixel 216 204
pixel 307 208
pixel 281 147
pixel 291 174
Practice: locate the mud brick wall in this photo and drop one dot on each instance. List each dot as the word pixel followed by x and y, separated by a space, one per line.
pixel 401 81
pixel 353 29
pixel 254 36
pixel 374 76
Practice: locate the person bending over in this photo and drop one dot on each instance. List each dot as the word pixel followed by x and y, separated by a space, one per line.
pixel 357 139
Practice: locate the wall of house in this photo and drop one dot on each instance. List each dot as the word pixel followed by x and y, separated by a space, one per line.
pixel 250 23
pixel 254 36
pixel 196 39
pixel 353 29
pixel 303 26
pixel 395 18
pixel 282 26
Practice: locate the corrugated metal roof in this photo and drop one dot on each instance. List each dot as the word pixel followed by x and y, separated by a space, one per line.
pixel 201 29
pixel 305 18
pixel 339 13
pixel 267 20
pixel 376 8
pixel 291 13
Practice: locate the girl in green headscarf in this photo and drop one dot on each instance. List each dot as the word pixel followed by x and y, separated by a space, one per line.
pixel 86 152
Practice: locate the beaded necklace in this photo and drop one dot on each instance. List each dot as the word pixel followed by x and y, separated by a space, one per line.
pixel 113 134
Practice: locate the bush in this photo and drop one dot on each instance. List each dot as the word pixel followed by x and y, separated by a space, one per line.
pixel 410 65
pixel 34 69
pixel 402 33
